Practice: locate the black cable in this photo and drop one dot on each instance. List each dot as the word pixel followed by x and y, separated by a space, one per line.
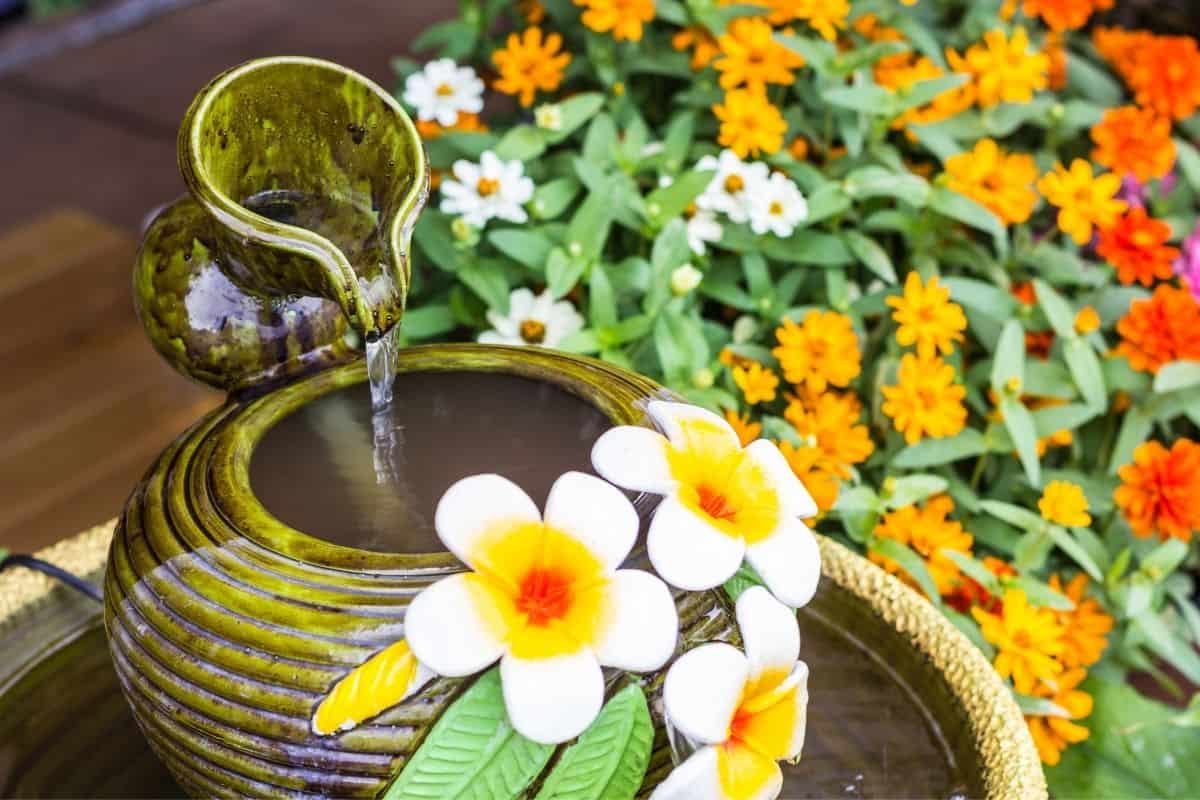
pixel 46 568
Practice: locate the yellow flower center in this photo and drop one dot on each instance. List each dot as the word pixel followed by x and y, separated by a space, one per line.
pixel 734 184
pixel 533 331
pixel 487 186
pixel 776 208
pixel 444 90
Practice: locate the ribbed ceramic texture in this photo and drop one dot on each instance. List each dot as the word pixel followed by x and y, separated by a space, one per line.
pixel 227 628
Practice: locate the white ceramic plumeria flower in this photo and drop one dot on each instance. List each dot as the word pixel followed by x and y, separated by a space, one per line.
pixel 442 90
pixel 491 189
pixel 777 206
pixel 702 228
pixel 733 184
pixel 721 503
pixel 745 712
pixel 532 320
pixel 545 597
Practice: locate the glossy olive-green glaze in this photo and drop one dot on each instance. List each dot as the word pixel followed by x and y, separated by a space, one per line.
pixel 227 627
pixel 233 296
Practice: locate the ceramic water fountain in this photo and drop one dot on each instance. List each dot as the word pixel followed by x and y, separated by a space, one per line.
pixel 530 575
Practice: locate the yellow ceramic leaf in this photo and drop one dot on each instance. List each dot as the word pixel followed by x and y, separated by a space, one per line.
pixel 379 683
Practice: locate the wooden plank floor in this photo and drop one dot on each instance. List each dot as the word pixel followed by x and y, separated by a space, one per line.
pixel 86 402
pixel 87 151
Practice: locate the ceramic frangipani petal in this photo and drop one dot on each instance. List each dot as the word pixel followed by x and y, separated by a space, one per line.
pixel 385 679
pixel 743 712
pixel 723 503
pixel 545 597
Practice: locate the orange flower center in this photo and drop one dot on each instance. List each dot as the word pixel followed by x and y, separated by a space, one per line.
pixel 444 90
pixel 734 184
pixel 776 208
pixel 737 726
pixel 533 331
pixel 544 596
pixel 1021 639
pixel 715 504
pixel 487 186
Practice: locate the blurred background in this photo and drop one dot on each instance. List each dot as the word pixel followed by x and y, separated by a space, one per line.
pixel 91 95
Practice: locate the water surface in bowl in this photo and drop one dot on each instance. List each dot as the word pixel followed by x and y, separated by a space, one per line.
pixel 339 472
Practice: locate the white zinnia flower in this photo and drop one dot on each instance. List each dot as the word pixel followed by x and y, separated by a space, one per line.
pixel 443 90
pixel 732 186
pixel 532 320
pixel 702 227
pixel 487 190
pixel 777 206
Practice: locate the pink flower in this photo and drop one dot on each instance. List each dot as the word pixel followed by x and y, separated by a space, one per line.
pixel 1187 266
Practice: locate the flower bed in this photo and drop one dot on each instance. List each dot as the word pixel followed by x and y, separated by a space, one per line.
pixel 941 253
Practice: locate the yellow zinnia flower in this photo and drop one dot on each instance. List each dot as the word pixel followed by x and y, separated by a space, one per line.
pixel 820 351
pixel 829 421
pixel 703 45
pixel 999 181
pixel 926 317
pixel 927 531
pixel 1002 69
pixel 925 401
pixel 1027 640
pixel 752 58
pixel 1085 627
pixel 1087 321
pixel 757 384
pixel 623 17
pixel 750 125
pixel 1052 735
pixel 826 17
pixel 528 63
pixel 1064 503
pixel 1083 200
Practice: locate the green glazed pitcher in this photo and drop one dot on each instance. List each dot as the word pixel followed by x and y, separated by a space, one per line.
pixel 304 182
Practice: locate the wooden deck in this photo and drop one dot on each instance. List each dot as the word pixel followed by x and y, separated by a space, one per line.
pixel 88 152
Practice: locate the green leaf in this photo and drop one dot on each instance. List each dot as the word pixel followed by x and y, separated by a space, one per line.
pixel 609 760
pixel 867 99
pixel 871 254
pixel 428 321
pixel 1039 706
pixel 1069 545
pixel 1086 371
pixel 743 579
pixel 521 143
pixel 985 297
pixel 1014 515
pixel 602 303
pixel 1055 308
pixel 1177 375
pixel 1135 749
pixel 910 562
pixel 472 752
pixel 817 53
pixel 588 229
pixel 522 245
pixel 669 202
pixel 433 236
pixel 932 452
pixel 1019 423
pixel 1163 559
pixel 975 570
pixel 825 201
pixel 1040 594
pixel 912 489
pixel 1168 645
pixel 1135 429
pixel 490 284
pixel 926 91
pixel 1189 163
pixel 576 111
pixel 1009 362
pixel 562 272
pixel 950 203
pixel 873 181
pixel 552 198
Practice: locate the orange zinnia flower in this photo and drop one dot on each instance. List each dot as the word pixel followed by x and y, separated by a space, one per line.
pixel 746 430
pixel 820 351
pixel 1160 490
pixel 703 45
pixel 829 422
pixel 429 129
pixel 930 534
pixel 1166 76
pixel 810 467
pixel 1085 627
pixel 994 178
pixel 1052 735
pixel 1136 246
pixel 1063 15
pixel 1134 140
pixel 750 125
pixel 1002 68
pixel 1163 328
pixel 1120 47
pixel 752 58
pixel 528 63
pixel 624 18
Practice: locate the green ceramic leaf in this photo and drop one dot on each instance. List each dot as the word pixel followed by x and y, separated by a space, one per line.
pixel 472 752
pixel 743 579
pixel 609 761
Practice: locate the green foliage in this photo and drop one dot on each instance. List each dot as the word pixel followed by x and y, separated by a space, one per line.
pixel 472 752
pixel 609 760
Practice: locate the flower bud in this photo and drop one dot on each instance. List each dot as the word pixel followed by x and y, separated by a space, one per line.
pixel 685 278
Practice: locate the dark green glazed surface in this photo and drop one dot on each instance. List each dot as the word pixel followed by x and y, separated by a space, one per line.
pixel 234 297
